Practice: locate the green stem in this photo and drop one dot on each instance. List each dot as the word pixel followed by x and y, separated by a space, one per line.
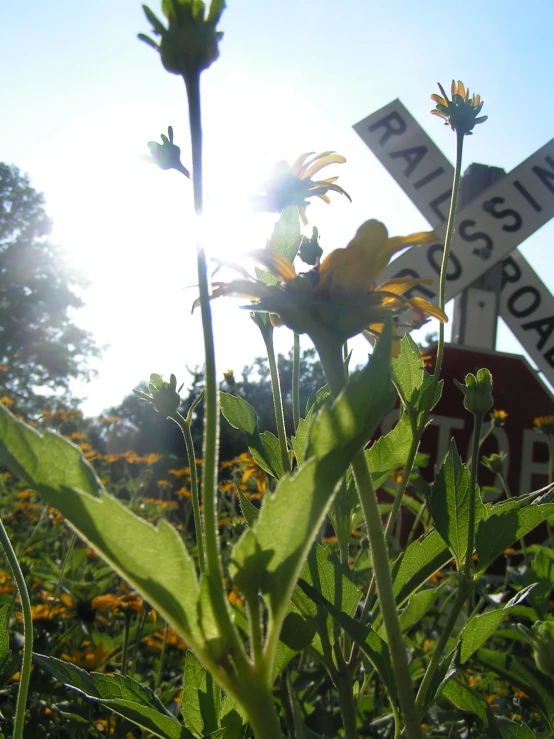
pixel 253 607
pixel 162 657
pixel 464 589
pixel 296 381
pixel 25 672
pixel 125 657
pixel 211 397
pixel 414 446
pixel 343 684
pixel 465 584
pixel 477 423
pixel 261 711
pixel 189 443
pixel 267 334
pixel 334 371
pixel 446 251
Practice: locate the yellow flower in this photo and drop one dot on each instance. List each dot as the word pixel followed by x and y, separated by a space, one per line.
pixel 497 417
pixel 293 185
pixel 461 112
pixel 88 658
pixel 8 402
pixel 340 297
pixel 544 425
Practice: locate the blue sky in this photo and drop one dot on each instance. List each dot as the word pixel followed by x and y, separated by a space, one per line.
pixel 82 96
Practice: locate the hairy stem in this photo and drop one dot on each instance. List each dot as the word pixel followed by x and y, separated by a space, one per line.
pixel 25 671
pixel 296 381
pixel 189 443
pixel 267 334
pixel 211 397
pixel 446 251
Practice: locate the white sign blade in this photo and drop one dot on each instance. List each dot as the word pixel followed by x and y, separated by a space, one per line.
pixel 527 306
pixel 411 157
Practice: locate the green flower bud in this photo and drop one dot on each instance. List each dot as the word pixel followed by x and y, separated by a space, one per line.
pixel 541 638
pixel 495 463
pixel 190 43
pixel 477 392
pixel 167 155
pixel 164 395
pixel 310 250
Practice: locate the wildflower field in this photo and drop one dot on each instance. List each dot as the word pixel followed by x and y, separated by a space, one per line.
pixel 320 578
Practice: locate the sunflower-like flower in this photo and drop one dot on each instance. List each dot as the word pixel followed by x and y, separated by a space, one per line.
pixel 544 425
pixel 293 185
pixel 461 112
pixel 339 298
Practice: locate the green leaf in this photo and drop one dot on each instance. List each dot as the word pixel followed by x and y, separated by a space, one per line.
pixel 332 579
pixel 390 452
pixel 415 566
pixel 478 629
pixel 300 441
pixel 524 675
pixel 369 642
pixel 290 518
pixel 506 524
pixel 152 559
pixel 4 636
pixel 296 635
pixel 201 701
pixel 416 608
pixel 119 693
pixel 231 719
pixel 240 415
pixel 466 700
pixel 272 453
pixel 510 730
pixel 407 371
pixel 301 731
pixel 449 503
pixel 285 239
pixel 249 510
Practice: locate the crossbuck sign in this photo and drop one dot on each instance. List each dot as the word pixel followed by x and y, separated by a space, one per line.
pixel 487 230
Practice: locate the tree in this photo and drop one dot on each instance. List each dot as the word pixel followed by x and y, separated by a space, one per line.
pixel 40 346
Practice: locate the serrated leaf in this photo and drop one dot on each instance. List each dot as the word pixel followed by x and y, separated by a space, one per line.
pixel 152 559
pixel 466 700
pixel 416 608
pixel 524 675
pixel 290 518
pixel 119 693
pixel 390 452
pixel 510 730
pixel 249 510
pixel 231 719
pixel 407 370
pixel 240 415
pixel 332 579
pixel 272 450
pixel 201 702
pixel 416 565
pixel 317 400
pixel 296 635
pixel 478 629
pixel 369 642
pixel 450 501
pixel 506 524
pixel 300 440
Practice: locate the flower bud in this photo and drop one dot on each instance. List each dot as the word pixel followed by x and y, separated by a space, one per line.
pixel 541 638
pixel 164 396
pixel 495 463
pixel 477 392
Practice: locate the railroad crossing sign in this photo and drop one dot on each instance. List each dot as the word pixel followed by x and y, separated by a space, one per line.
pixel 487 230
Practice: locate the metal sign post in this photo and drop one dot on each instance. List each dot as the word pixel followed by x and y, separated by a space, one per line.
pixel 487 231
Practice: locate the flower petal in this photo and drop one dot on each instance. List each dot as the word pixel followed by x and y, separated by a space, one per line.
pixel 299 162
pixel 275 263
pixel 331 158
pixel 430 309
pixel 400 285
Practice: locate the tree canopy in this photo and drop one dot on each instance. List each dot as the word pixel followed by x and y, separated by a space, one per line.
pixel 41 348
